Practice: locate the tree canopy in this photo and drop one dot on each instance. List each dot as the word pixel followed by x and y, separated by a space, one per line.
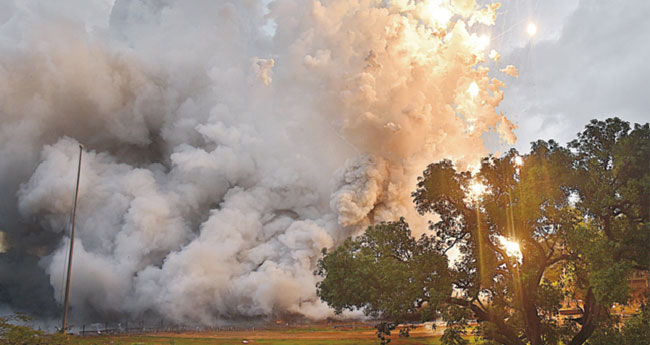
pixel 529 230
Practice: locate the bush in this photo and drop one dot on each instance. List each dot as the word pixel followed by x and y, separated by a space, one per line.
pixel 635 331
pixel 13 333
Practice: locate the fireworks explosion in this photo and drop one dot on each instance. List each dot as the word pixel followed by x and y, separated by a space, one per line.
pixel 223 153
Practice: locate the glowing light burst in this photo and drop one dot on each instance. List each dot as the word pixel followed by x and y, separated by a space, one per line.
pixel 474 168
pixel 476 190
pixel 511 247
pixel 519 161
pixel 483 42
pixel 478 44
pixel 438 12
pixel 473 89
pixel 531 29
pixel 494 55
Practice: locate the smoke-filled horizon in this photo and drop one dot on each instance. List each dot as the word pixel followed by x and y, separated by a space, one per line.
pixel 227 143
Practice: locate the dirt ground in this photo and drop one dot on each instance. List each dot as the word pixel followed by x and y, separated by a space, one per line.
pixel 312 334
pixel 300 333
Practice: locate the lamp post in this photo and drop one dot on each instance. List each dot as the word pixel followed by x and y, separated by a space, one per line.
pixel 74 219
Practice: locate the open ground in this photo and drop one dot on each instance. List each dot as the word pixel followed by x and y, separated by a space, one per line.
pixel 307 335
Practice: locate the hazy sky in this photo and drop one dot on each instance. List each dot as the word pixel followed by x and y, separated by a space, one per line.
pixel 589 59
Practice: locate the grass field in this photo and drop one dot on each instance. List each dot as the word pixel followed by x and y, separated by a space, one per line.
pixel 161 340
pixel 287 336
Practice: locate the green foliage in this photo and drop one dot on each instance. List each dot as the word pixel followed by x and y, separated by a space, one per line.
pixel 614 195
pixel 58 339
pixel 634 331
pixel 10 333
pixel 384 330
pixel 456 330
pixel 580 215
pixel 13 332
pixel 385 272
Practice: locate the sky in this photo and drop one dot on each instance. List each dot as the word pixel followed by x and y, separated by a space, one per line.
pixel 588 60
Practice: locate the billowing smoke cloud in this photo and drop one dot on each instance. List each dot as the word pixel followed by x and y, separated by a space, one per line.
pixel 227 143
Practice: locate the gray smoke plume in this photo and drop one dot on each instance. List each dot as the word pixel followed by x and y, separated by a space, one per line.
pixel 227 143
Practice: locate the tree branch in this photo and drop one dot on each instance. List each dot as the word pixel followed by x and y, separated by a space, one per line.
pixel 548 263
pixel 505 336
pixel 588 320
pixel 503 254
pixel 462 236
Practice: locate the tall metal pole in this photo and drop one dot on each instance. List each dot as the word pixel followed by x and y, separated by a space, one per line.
pixel 74 219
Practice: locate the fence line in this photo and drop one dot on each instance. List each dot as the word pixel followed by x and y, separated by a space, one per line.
pixel 139 327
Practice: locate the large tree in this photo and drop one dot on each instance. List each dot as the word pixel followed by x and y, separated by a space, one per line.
pixel 527 231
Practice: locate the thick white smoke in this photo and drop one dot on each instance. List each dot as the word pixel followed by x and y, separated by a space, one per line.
pixel 228 142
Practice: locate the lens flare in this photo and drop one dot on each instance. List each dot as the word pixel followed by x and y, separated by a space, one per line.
pixel 531 29
pixel 476 189
pixel 511 247
pixel 519 161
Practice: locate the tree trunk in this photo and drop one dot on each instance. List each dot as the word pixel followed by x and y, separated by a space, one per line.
pixel 533 332
pixel 588 319
pixel 504 335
